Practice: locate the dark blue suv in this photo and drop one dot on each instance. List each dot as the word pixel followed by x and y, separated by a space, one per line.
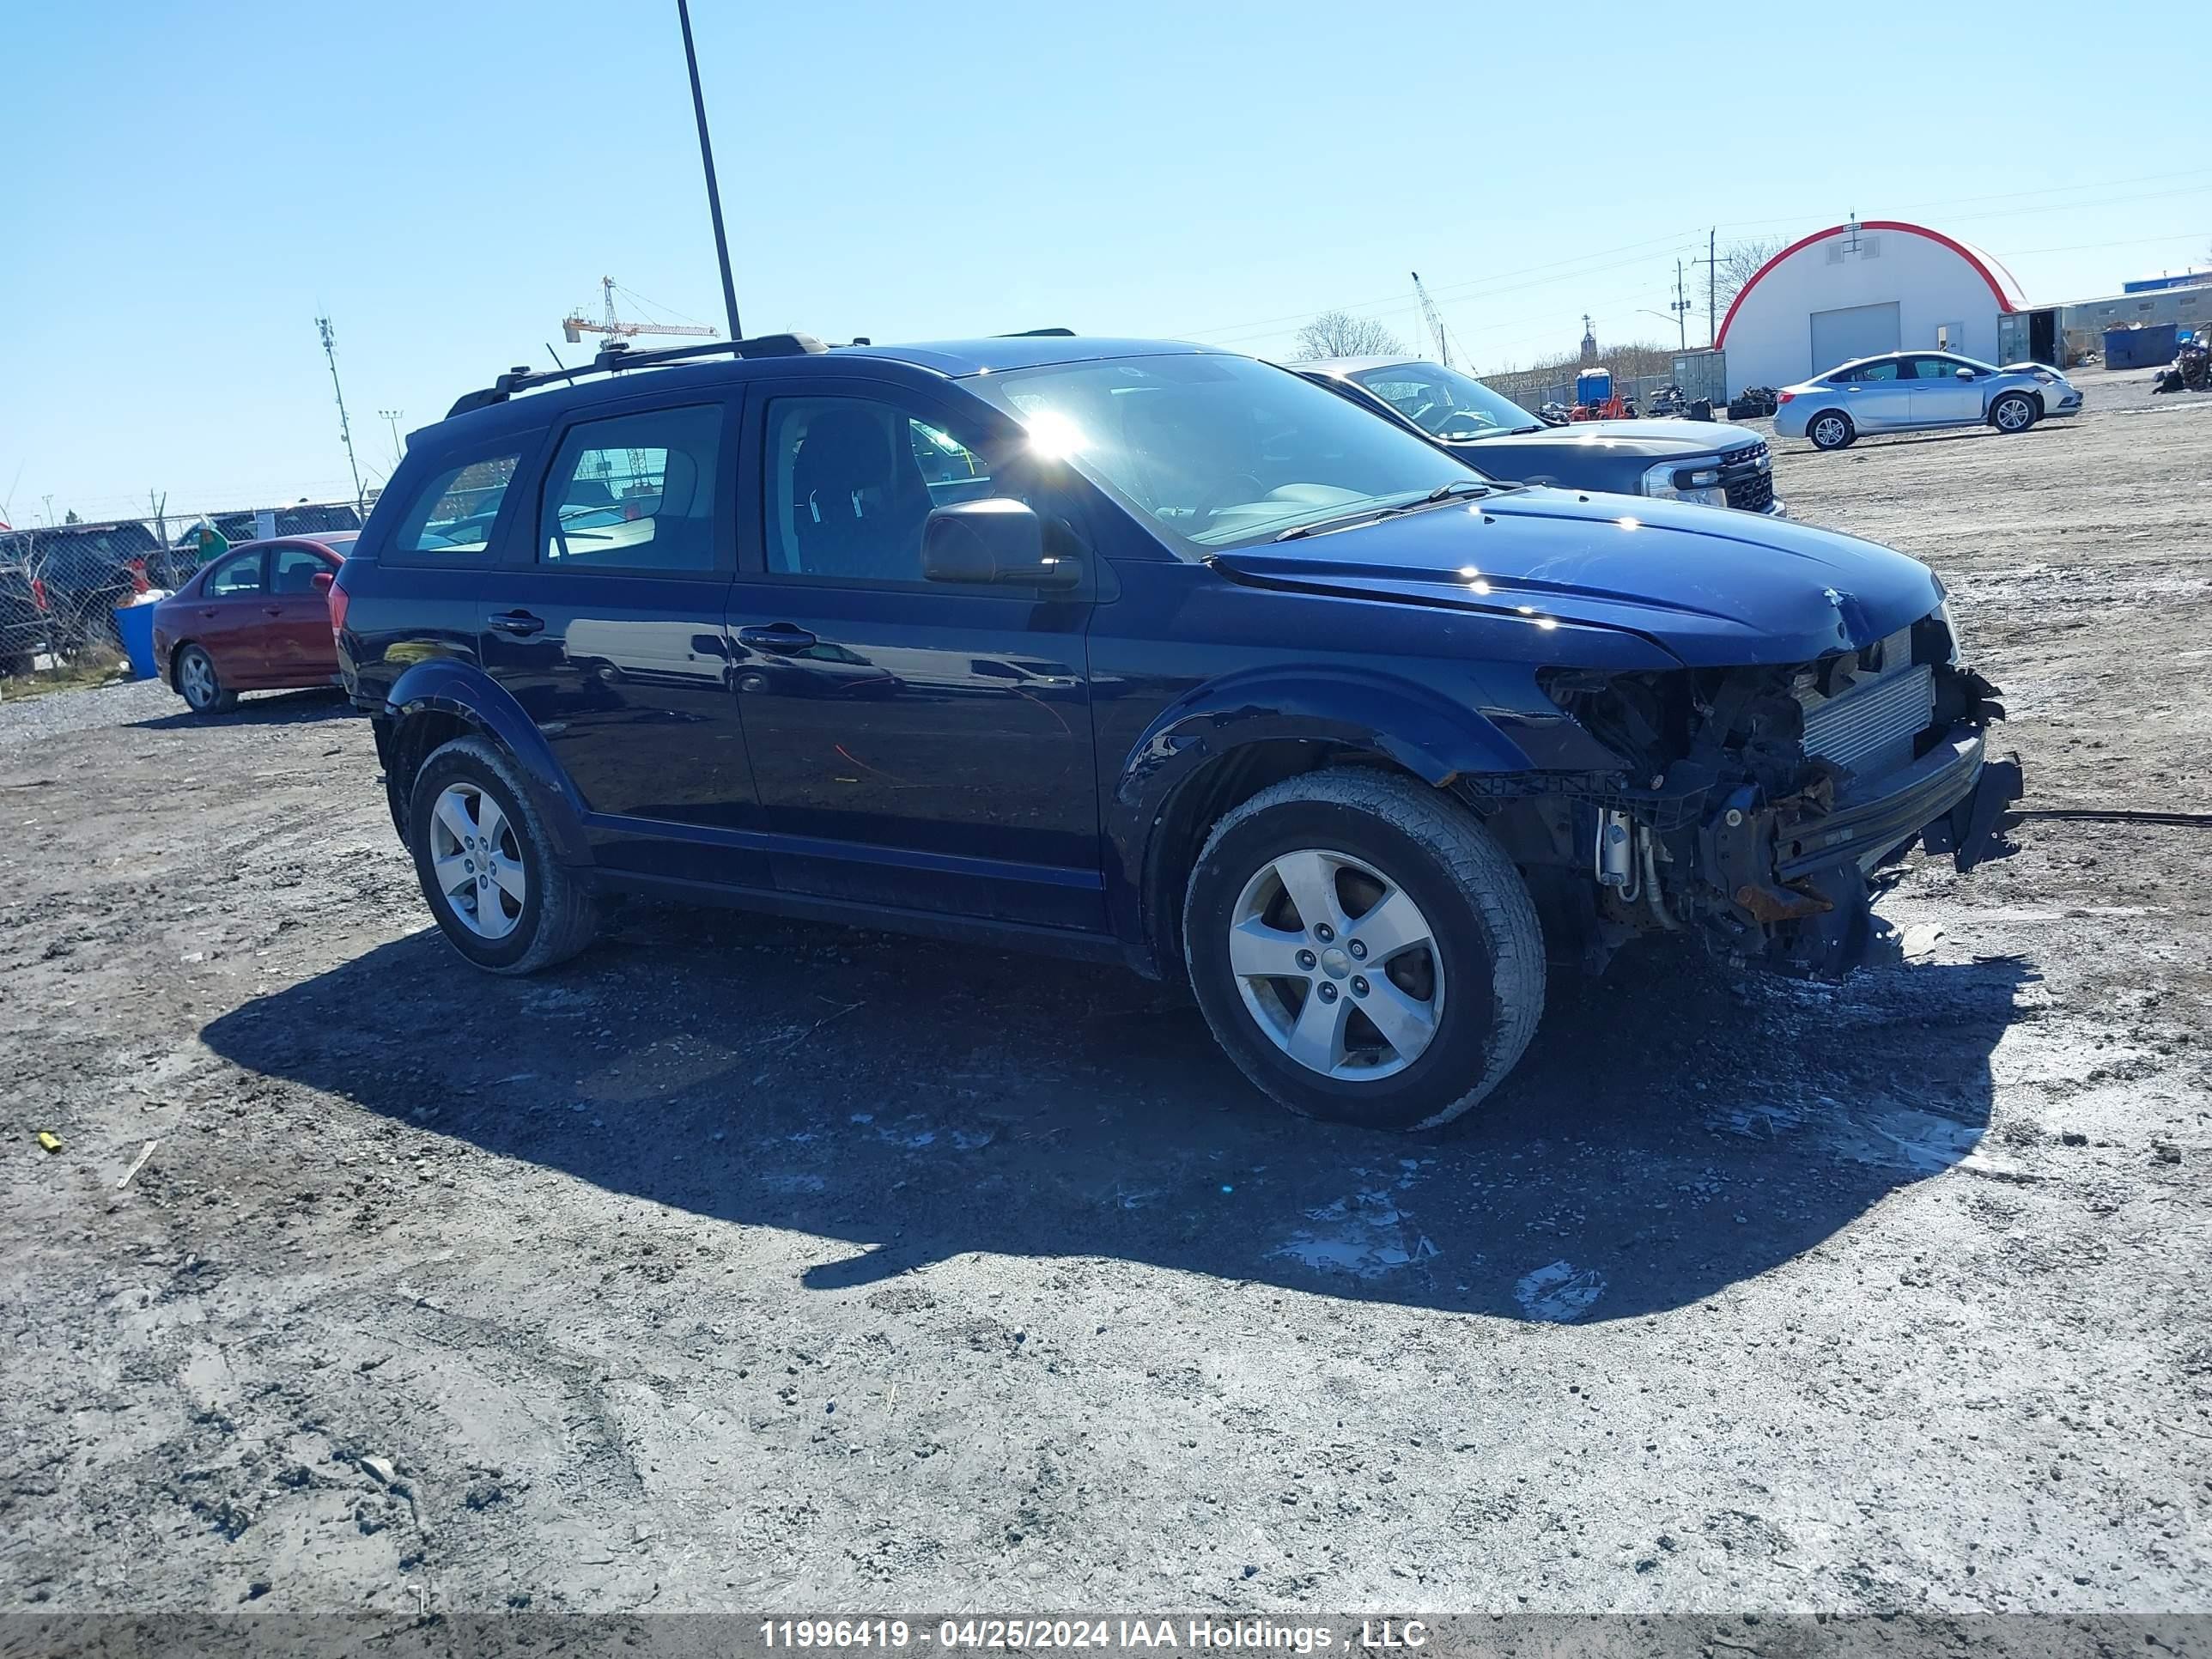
pixel 1142 652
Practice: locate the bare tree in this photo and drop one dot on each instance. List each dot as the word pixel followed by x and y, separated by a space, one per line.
pixel 1340 334
pixel 1739 262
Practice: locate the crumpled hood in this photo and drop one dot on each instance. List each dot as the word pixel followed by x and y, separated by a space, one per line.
pixel 1714 588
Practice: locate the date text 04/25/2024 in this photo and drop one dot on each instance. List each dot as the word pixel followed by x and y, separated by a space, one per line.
pixel 1004 1634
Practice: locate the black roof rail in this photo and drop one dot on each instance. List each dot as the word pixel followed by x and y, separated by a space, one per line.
pixel 616 355
pixel 1039 334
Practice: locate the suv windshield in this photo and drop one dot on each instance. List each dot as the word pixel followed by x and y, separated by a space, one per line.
pixel 1218 452
pixel 1444 402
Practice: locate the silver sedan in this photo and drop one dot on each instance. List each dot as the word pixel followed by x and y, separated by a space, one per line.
pixel 1908 390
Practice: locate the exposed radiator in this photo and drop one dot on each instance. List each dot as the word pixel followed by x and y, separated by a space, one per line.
pixel 1875 720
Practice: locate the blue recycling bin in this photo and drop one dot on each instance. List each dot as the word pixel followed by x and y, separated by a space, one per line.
pixel 135 623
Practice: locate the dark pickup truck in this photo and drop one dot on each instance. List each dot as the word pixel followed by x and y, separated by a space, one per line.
pixel 1709 463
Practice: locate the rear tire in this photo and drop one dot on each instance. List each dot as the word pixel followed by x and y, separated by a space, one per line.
pixel 1831 430
pixel 477 837
pixel 199 685
pixel 1413 1034
pixel 2014 412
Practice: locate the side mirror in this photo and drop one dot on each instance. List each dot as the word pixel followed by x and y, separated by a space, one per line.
pixel 1964 374
pixel 995 542
pixel 323 579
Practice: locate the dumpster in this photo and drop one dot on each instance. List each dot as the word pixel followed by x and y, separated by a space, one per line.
pixel 135 623
pixel 2150 346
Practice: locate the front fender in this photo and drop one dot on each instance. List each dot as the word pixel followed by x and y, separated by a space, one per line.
pixel 444 685
pixel 1397 720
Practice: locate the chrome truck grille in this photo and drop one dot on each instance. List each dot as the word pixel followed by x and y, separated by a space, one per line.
pixel 1870 726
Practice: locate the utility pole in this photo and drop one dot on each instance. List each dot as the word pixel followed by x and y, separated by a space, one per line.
pixel 345 427
pixel 1713 287
pixel 1680 307
pixel 160 519
pixel 706 156
pixel 391 417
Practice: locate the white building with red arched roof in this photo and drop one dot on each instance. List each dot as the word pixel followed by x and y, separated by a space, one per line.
pixel 1858 289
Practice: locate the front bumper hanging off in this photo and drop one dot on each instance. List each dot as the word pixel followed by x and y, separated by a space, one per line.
pixel 1799 869
pixel 1951 797
pixel 1972 831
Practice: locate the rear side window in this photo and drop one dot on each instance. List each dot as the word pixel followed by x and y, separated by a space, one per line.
pixel 455 511
pixel 636 493
pixel 238 574
pixel 294 569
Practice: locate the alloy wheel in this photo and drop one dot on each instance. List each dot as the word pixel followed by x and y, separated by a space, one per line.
pixel 195 678
pixel 1337 965
pixel 477 860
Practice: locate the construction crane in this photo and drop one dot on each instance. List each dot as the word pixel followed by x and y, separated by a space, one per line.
pixel 1428 310
pixel 576 325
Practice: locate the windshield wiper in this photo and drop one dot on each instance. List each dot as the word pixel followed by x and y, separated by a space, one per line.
pixel 1452 491
pixel 1457 489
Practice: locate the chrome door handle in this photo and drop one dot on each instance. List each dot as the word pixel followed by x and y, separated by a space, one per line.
pixel 518 622
pixel 782 637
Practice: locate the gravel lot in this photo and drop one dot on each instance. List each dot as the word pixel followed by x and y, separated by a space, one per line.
pixel 742 1264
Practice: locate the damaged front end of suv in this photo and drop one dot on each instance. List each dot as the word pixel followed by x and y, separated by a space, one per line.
pixel 1777 711
pixel 1757 802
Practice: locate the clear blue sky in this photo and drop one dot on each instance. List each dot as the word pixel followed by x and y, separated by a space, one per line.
pixel 186 186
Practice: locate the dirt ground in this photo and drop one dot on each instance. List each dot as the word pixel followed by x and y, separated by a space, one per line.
pixel 748 1265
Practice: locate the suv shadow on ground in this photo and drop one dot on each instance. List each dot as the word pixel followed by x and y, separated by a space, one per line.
pixel 1672 1131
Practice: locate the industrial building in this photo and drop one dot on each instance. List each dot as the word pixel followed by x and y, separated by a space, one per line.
pixel 2184 301
pixel 1855 289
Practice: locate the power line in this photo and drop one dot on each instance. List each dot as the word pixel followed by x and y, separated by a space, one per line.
pixel 1260 327
pixel 1403 297
pixel 2049 189
pixel 2132 241
pixel 1401 301
pixel 2004 213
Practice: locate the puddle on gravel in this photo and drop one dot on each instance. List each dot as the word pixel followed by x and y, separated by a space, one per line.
pixel 1365 1236
pixel 1891 1134
pixel 1560 1293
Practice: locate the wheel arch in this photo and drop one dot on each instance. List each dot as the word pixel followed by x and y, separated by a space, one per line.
pixel 435 703
pixel 1216 749
pixel 177 650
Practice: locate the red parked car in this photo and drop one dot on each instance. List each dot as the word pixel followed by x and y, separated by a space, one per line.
pixel 256 618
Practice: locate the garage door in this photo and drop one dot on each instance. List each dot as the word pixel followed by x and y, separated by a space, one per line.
pixel 1853 331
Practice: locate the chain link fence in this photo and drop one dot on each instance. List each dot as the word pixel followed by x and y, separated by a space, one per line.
pixel 1532 390
pixel 60 584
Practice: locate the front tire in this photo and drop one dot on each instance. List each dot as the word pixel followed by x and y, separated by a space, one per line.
pixel 2014 412
pixel 199 685
pixel 1831 430
pixel 488 866
pixel 1363 949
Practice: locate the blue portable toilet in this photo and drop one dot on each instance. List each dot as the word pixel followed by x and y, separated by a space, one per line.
pixel 1592 386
